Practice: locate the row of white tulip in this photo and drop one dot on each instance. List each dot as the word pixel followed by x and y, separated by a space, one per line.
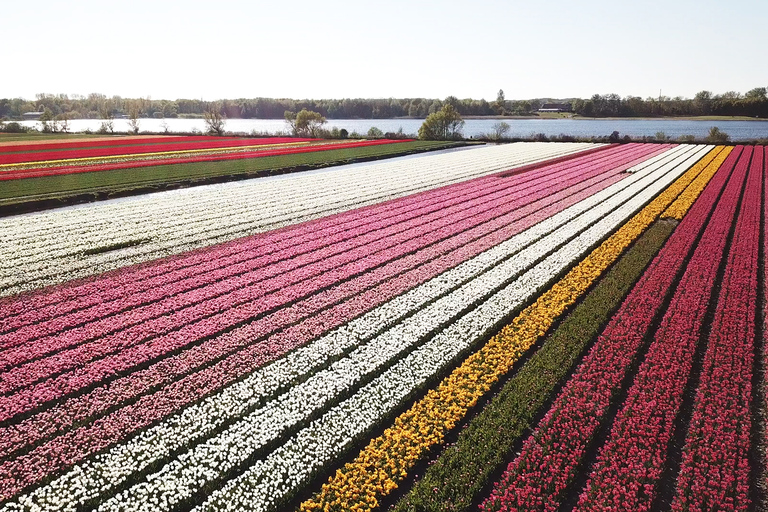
pixel 52 247
pixel 274 198
pixel 263 485
pixel 97 478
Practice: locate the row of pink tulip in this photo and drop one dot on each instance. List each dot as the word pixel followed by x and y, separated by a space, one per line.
pixel 142 305
pixel 234 301
pixel 539 476
pixel 243 297
pixel 718 435
pixel 330 308
pixel 63 299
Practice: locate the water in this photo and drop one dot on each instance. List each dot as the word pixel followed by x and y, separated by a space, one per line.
pixel 738 130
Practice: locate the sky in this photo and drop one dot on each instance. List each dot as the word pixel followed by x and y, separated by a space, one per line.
pixel 170 49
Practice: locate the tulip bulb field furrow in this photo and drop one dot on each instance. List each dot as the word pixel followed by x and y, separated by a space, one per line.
pixel 316 341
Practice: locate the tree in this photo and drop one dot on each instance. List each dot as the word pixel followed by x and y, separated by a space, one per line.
pixel 105 112
pixel 758 93
pixel 306 123
pixel 375 133
pixel 500 104
pixel 716 136
pixel 47 120
pixel 133 109
pixel 442 125
pixel 214 119
pixel 703 101
pixel 500 130
pixel 64 118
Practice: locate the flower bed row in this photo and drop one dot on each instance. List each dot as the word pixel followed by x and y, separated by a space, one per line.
pixel 305 236
pixel 251 295
pixel 386 460
pixel 634 456
pixel 184 158
pixel 719 433
pixel 242 349
pixel 54 144
pixel 222 408
pixel 50 246
pixel 8 158
pixel 537 479
pixel 460 204
pixel 457 477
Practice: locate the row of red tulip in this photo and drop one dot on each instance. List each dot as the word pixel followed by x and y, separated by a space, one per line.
pixel 634 457
pixel 539 476
pixel 117 148
pixel 718 435
pixel 131 140
pixel 223 155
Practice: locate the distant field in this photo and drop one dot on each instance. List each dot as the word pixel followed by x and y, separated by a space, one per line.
pixel 57 174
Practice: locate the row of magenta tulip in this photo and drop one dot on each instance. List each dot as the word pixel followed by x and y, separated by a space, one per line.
pixel 719 433
pixel 635 454
pixel 538 478
pixel 481 448
pixel 54 247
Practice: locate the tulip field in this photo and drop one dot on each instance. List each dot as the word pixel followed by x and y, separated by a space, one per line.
pixel 58 170
pixel 527 326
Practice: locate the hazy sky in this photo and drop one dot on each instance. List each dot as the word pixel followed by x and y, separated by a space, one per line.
pixel 395 48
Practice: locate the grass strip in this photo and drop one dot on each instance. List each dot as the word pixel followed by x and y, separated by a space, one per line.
pixel 462 471
pixel 15 191
pixel 385 461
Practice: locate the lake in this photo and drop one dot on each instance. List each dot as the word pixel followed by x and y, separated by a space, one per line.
pixel 738 130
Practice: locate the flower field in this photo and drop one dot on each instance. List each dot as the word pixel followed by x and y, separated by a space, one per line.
pixel 76 157
pixel 529 326
pixel 39 175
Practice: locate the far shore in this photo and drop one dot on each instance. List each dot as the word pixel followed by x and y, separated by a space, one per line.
pixel 583 118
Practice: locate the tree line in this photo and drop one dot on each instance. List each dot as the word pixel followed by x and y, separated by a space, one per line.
pixel 753 103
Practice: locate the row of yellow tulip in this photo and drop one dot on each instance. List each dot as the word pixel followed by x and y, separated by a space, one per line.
pixel 679 207
pixel 385 461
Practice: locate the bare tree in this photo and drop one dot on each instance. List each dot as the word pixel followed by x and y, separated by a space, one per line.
pixel 105 112
pixel 64 118
pixel 214 119
pixel 500 130
pixel 133 108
